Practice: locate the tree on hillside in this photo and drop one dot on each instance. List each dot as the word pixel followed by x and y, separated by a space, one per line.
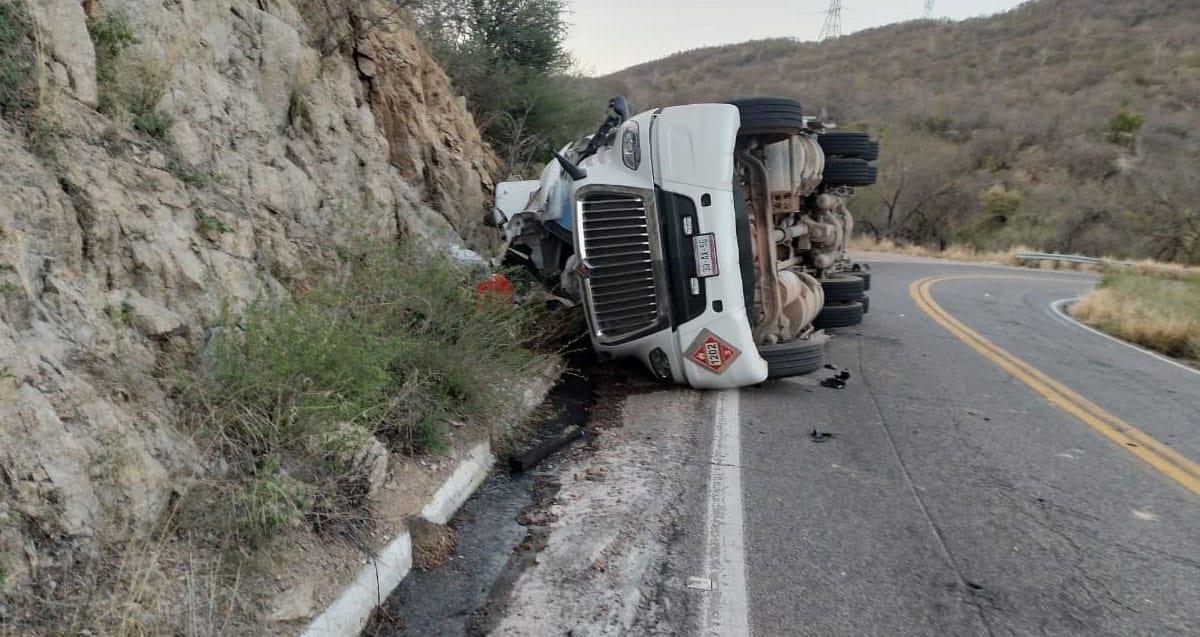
pixel 507 58
pixel 909 201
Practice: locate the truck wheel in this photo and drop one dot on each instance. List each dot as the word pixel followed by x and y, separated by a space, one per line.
pixel 843 288
pixel 772 117
pixel 849 172
pixel 866 279
pixel 793 358
pixel 839 315
pixel 849 144
pixel 862 271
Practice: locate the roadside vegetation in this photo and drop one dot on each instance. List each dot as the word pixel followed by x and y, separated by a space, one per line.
pixel 1159 310
pixel 302 406
pixel 295 395
pixel 959 252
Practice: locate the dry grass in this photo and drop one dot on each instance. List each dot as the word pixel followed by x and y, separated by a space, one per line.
pixel 1158 311
pixel 146 585
pixel 956 252
pixel 953 252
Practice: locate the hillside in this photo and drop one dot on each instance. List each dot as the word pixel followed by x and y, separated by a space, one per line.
pixel 189 194
pixel 1064 124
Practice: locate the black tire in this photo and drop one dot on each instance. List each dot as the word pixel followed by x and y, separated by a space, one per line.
pixel 866 301
pixel 862 271
pixel 849 172
pixel 839 315
pixel 849 144
pixel 842 288
pixel 793 358
pixel 772 117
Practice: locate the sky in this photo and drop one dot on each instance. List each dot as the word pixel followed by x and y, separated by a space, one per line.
pixel 609 35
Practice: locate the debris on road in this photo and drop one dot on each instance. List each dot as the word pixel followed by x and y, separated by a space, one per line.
pixel 495 286
pixel 432 543
pixel 525 460
pixel 822 436
pixel 838 380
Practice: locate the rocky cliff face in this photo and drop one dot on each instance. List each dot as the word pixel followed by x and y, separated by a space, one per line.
pixel 294 128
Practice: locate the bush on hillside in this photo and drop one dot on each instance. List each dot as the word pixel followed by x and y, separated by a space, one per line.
pixel 18 90
pixel 508 59
pixel 128 87
pixel 292 393
pixel 1123 127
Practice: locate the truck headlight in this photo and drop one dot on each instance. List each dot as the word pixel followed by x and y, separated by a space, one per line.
pixel 631 147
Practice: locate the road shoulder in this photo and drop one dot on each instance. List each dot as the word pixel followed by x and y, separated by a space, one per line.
pixel 611 534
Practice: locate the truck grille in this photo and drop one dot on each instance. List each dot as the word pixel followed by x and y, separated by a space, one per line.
pixel 617 248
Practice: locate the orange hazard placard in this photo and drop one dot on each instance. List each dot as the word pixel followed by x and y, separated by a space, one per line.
pixel 712 353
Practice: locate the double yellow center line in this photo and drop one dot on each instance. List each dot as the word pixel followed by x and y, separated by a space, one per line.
pixel 1163 458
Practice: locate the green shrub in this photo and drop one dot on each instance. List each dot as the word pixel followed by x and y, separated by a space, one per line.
pixel 999 204
pixel 150 122
pixel 1124 126
pixel 211 224
pixel 18 91
pixel 111 35
pixel 400 348
pixel 256 508
pixel 126 87
pixel 43 138
pixel 507 57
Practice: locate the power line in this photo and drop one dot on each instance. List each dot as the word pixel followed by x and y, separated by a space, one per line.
pixel 928 15
pixel 833 21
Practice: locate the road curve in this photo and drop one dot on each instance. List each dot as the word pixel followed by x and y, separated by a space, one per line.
pixel 958 495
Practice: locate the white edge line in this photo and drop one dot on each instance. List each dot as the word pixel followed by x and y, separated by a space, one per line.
pixel 725 610
pixel 1057 311
pixel 346 615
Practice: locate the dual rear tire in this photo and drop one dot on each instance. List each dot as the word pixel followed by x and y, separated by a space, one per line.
pixel 845 301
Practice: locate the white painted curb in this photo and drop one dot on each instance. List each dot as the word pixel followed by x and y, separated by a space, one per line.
pixel 471 473
pixel 347 615
pixel 350 611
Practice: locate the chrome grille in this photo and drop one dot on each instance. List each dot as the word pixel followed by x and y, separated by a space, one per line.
pixel 617 246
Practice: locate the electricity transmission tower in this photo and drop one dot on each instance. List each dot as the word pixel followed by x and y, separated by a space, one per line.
pixel 928 15
pixel 833 21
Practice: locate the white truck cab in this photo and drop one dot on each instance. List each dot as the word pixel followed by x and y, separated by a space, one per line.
pixel 649 225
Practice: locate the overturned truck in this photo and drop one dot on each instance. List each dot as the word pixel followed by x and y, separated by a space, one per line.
pixel 707 240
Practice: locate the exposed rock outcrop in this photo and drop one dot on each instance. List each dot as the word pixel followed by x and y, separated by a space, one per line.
pixel 294 130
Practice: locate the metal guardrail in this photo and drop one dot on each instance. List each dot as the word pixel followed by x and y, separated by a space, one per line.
pixel 1068 258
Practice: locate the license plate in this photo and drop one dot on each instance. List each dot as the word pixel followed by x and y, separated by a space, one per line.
pixel 705 247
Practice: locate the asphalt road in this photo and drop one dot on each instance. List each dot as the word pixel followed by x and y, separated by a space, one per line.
pixel 955 499
pixel 995 469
